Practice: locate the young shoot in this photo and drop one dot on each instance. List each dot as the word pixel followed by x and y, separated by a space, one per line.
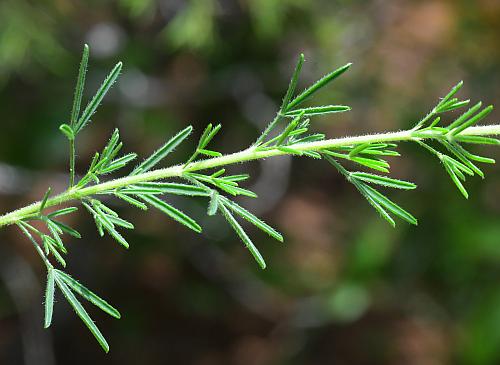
pixel 363 160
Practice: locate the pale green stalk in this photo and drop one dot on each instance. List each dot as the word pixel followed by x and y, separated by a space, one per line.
pixel 249 154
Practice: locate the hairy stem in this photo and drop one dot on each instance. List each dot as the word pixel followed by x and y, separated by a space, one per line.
pixel 71 163
pixel 268 129
pixel 252 153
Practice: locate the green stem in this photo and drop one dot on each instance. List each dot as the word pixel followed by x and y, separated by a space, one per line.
pixel 250 154
pixel 71 163
pixel 269 128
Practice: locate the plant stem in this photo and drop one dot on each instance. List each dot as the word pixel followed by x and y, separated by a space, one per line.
pixel 269 128
pixel 250 154
pixel 71 163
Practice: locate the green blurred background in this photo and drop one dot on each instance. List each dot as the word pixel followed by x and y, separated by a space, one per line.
pixel 345 288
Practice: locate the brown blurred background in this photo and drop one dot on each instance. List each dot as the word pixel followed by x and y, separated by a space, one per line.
pixel 345 288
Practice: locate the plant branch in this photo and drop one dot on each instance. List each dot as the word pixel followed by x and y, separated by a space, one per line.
pixel 250 154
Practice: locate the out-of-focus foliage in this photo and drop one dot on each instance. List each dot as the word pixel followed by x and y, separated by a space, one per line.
pixel 335 293
pixel 28 39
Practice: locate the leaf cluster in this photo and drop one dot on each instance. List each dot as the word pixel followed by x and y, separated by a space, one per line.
pixel 456 159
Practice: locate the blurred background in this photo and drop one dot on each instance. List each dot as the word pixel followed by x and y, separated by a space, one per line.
pixel 345 288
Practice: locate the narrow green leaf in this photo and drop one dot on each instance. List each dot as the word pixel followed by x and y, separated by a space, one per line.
pixel 138 190
pixel 236 178
pixel 311 138
pixel 383 213
pixel 289 128
pixel 245 214
pixel 218 173
pixel 94 161
pixel 88 295
pixel 213 205
pixel 108 226
pixel 235 190
pixel 50 245
pixel 44 200
pixel 358 149
pixel 96 100
pixel 298 132
pixel 23 226
pixel 103 220
pixel 120 222
pixel 131 201
pixel 163 151
pixel 57 256
pixel 57 244
pixel 451 171
pixel 105 160
pixel 453 106
pixel 99 205
pixel 293 82
pixel 318 110
pixel 377 152
pixel 316 86
pixel 206 139
pixel 457 165
pixel 172 212
pixel 335 154
pixel 377 200
pixel 290 150
pixel 80 84
pixel 476 157
pixel 378 165
pixel 100 228
pixel 471 156
pixel 477 140
pixel 118 163
pixel 82 313
pixel 388 204
pixel 111 145
pixel 67 131
pixel 465 116
pixel 63 211
pixel 243 236
pixel 464 161
pixel 312 154
pixel 452 92
pixel 204 136
pixel 49 298
pixel 383 180
pixel 54 228
pixel 210 153
pixel 175 188
pixel 481 115
pixel 435 122
pixel 67 229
